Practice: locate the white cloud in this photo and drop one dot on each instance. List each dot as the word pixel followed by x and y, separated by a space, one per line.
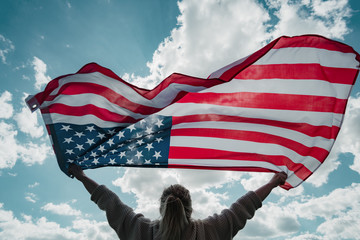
pixel 32 153
pixel 35 184
pixel 327 18
pixel 14 228
pixel 338 214
pixel 8 145
pixel 333 205
pixel 211 34
pixel 349 137
pixel 40 73
pixel 6 110
pixel 27 121
pixel 31 197
pixel 340 209
pixel 11 150
pixel 29 227
pixel 91 229
pixel 12 174
pixel 61 209
pixel 270 221
pixel 345 226
pixel 6 46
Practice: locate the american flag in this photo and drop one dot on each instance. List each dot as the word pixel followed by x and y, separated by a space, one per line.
pixel 279 109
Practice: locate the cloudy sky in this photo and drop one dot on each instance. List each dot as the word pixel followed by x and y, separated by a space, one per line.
pixel 143 42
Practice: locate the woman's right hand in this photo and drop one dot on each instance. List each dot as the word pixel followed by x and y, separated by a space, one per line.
pixel 278 179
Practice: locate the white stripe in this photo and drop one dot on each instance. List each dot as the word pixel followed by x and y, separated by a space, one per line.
pixel 52 118
pixel 219 72
pixel 284 86
pixel 313 118
pixel 164 98
pixel 293 180
pixel 243 146
pixel 296 55
pixel 277 131
pixel 94 99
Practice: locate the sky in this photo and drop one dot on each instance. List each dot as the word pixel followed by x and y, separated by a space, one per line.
pixel 143 42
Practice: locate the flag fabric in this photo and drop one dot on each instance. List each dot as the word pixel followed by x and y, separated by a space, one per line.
pixel 279 109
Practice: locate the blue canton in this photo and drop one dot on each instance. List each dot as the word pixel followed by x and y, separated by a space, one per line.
pixel 143 144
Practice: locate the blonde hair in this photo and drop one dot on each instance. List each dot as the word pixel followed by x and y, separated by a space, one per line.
pixel 175 210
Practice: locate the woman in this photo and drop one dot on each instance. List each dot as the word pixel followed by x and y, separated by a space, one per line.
pixel 175 210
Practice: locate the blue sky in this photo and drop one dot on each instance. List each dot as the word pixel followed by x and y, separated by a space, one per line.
pixel 143 42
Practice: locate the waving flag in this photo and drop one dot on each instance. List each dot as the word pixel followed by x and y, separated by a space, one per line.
pixel 279 109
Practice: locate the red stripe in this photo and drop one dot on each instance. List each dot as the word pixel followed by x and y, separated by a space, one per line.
pixel 149 94
pixel 89 109
pixel 314 41
pixel 299 71
pixel 305 128
pixel 76 88
pixel 198 153
pixel 286 186
pixel 269 101
pixel 251 136
pixel 229 74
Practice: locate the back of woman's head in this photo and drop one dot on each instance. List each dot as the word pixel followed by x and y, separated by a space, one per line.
pixel 175 210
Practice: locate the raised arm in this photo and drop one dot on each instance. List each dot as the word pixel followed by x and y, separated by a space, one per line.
pixel 79 174
pixel 276 180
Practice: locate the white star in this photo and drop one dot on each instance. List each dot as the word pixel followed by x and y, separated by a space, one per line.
pixel 90 128
pixel 157 155
pixel 147 161
pixel 131 147
pixel 102 148
pixel 138 135
pixel 79 134
pixel 66 128
pixel 96 161
pixel 101 135
pixel 129 161
pixel 90 141
pixel 70 161
pixel 112 161
pixel 131 127
pixel 111 142
pixel 149 130
pixel 121 145
pixel 159 139
pixel 86 158
pixel 120 134
pixel 138 154
pixel 113 151
pixel 140 142
pixel 69 151
pixel 111 132
pixel 122 154
pixel 149 146
pixel 142 121
pixel 68 140
pixel 93 154
pixel 159 123
pixel 79 147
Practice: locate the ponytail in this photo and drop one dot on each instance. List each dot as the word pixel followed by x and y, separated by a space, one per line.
pixel 175 210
